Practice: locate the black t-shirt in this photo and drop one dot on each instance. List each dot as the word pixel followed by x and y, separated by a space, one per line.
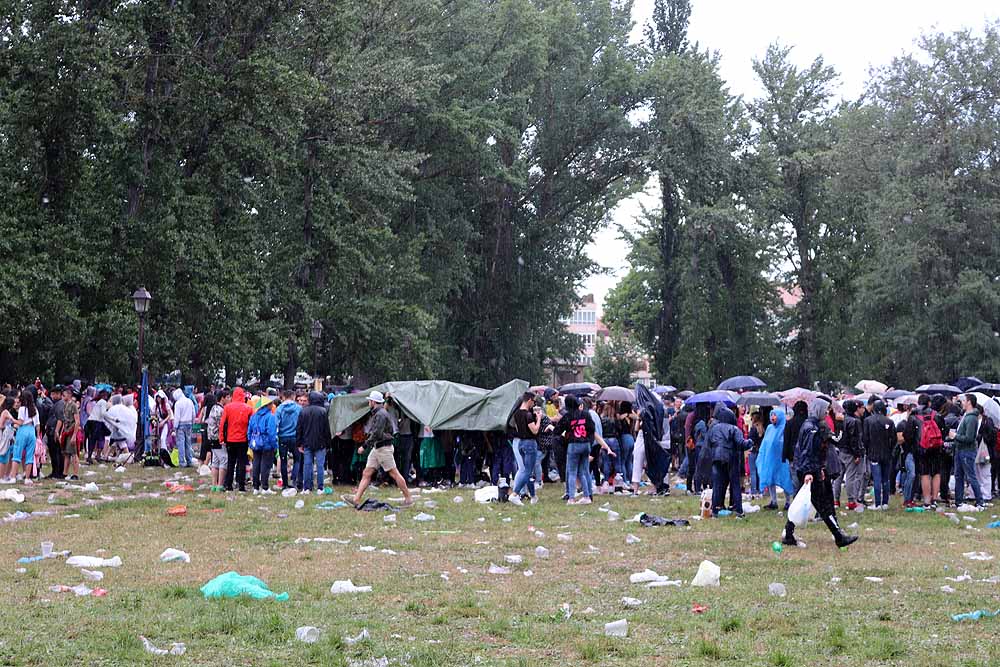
pixel 578 426
pixel 521 420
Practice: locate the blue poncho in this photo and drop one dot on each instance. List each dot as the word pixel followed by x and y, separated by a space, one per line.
pixel 771 470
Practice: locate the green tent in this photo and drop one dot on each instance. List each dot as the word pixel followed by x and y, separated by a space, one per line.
pixel 439 404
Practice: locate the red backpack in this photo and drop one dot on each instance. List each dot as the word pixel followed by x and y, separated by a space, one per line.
pixel 930 433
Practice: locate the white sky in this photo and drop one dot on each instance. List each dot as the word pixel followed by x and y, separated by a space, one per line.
pixel 852 35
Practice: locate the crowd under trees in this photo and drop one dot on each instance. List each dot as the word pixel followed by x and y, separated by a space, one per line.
pixel 423 177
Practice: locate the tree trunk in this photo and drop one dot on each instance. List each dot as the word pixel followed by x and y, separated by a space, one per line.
pixel 666 323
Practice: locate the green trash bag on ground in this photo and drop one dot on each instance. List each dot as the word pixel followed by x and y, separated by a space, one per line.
pixel 233 584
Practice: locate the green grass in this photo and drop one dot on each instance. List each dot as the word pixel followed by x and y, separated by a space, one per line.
pixel 415 617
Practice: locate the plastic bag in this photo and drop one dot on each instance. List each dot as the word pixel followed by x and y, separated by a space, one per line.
pixel 93 561
pixel 707 575
pixel 233 584
pixel 348 587
pixel 801 509
pixel 170 555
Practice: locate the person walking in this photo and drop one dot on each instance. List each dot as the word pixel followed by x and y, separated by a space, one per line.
pixel 810 460
pixel 262 431
pixel 233 431
pixel 965 453
pixel 880 441
pixel 287 420
pixel 380 433
pixel 312 437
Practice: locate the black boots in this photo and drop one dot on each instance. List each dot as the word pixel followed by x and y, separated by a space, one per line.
pixel 838 535
pixel 788 539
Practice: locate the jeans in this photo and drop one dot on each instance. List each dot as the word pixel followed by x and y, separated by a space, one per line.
pixel 965 471
pixel 577 467
pixel 625 457
pixel 310 457
pixel 185 452
pixel 909 477
pixel 528 449
pixel 754 484
pixel 611 464
pixel 236 468
pixel 880 475
pixel 403 452
pixel 261 469
pixel 286 447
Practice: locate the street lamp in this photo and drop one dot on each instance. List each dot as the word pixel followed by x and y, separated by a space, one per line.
pixel 316 331
pixel 141 299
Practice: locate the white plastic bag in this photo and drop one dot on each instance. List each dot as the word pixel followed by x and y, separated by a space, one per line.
pixel 175 555
pixel 707 575
pixel 801 509
pixel 348 587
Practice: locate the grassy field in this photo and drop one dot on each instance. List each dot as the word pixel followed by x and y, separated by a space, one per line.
pixel 416 616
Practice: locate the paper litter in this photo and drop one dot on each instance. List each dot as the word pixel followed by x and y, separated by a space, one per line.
pixel 977 555
pixel 513 558
pixel 564 537
pixel 348 587
pixel 632 539
pixel 874 580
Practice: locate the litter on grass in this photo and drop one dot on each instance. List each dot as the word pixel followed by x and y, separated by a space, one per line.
pixel 977 555
pixel 650 520
pixel 348 587
pixel 92 575
pixel 176 648
pixel 13 495
pixel 233 584
pixel 564 537
pixel 80 590
pixel 361 636
pixel 632 539
pixel 947 589
pixel 307 633
pixel 93 561
pixel 541 552
pixel 777 590
pixel 874 580
pixel 631 602
pixel 976 615
pixel 616 628
pixel 423 516
pixel 497 569
pixel 645 577
pixel 513 558
pixel 708 574
pixel 175 555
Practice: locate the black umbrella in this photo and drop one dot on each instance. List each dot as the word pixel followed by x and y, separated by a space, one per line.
pixel 988 389
pixel 686 394
pixel 946 389
pixel 664 389
pixel 758 398
pixel 742 383
pixel 616 394
pixel 657 459
pixel 893 394
pixel 967 383
pixel 580 388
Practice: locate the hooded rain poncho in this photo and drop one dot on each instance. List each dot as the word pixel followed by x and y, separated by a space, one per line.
pixel 771 469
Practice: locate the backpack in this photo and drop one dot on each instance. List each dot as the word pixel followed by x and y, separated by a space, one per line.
pixel 930 433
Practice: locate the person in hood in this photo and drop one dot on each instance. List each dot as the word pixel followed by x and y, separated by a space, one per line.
pixel 184 414
pixel 287 417
pixel 772 470
pixel 233 431
pixel 312 437
pixel 122 418
pixel 380 431
pixel 810 461
pixel 880 441
pixel 800 412
pixel 726 445
pixel 852 457
pixel 262 430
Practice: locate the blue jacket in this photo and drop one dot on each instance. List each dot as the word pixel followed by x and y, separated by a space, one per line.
pixel 287 417
pixel 262 431
pixel 725 439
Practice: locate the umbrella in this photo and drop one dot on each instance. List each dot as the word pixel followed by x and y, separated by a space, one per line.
pixel 758 398
pixel 616 393
pixel 685 394
pixel 988 389
pixel 794 395
pixel 967 383
pixel 742 382
pixel 946 389
pixel 539 389
pixel 717 396
pixel 871 386
pixel 893 394
pixel 579 388
pixel 990 407
pixel 906 399
pixel 657 459
pixel 664 389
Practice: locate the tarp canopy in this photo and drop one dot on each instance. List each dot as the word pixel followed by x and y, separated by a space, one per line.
pixel 438 404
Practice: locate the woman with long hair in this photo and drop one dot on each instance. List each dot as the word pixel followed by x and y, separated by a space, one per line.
pixel 165 421
pixel 8 428
pixel 27 435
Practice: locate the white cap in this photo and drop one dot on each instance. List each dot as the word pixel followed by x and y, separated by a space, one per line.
pixel 377 397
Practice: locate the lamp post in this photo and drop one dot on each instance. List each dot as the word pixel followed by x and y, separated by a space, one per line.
pixel 141 298
pixel 316 331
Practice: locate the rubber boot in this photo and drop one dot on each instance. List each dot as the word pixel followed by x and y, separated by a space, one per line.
pixel 789 537
pixel 838 535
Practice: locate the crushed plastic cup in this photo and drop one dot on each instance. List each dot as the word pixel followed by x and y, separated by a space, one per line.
pixel 289 492
pixel 708 574
pixel 777 590
pixel 424 517
pixel 632 539
pixel 513 558
pixel 299 504
pixel 541 552
pixel 497 569
pixel 46 549
pixel 307 634
pixel 361 636
pixel 617 628
pixel 176 648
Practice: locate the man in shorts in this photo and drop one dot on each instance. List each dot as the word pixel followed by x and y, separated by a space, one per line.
pixel 380 433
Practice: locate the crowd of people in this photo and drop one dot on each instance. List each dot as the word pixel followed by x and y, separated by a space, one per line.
pixel 912 447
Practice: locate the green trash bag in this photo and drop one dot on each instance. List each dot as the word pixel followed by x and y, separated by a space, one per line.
pixel 233 584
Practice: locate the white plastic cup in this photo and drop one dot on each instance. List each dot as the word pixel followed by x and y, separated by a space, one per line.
pixel 307 634
pixel 46 549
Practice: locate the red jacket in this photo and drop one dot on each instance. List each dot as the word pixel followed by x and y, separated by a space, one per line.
pixel 235 417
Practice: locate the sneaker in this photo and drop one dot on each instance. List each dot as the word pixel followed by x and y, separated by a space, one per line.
pixel 256 491
pixel 515 499
pixel 534 500
pixel 28 482
pixel 565 496
pixel 771 506
pixel 74 478
pixel 571 501
pixel 6 480
pixel 304 493
pixel 267 492
pixel 584 501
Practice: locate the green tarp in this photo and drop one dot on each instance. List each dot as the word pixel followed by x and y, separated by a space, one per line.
pixel 439 404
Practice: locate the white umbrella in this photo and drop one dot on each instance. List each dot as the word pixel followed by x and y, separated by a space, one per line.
pixel 990 407
pixel 872 386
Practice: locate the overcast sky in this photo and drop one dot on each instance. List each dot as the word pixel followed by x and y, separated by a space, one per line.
pixel 852 35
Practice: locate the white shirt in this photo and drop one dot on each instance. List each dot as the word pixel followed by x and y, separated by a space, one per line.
pixel 183 411
pixel 22 415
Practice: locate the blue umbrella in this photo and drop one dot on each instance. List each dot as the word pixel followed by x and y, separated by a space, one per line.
pixel 713 397
pixel 967 383
pixel 742 382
